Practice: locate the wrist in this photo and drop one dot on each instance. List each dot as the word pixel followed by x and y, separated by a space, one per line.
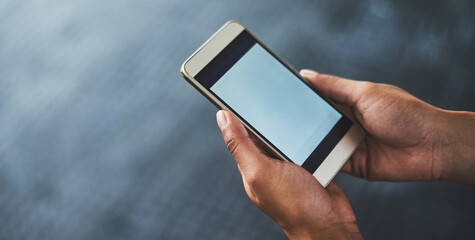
pixel 456 151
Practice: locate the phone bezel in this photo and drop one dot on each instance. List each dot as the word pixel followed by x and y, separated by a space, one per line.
pixel 211 48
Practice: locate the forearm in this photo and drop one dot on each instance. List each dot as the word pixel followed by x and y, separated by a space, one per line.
pixel 457 146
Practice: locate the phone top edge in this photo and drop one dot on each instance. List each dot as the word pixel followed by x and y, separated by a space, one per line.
pixel 222 33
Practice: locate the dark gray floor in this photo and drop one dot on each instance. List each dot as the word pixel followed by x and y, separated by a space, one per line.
pixel 101 138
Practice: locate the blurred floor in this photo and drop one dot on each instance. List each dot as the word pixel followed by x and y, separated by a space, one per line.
pixel 101 138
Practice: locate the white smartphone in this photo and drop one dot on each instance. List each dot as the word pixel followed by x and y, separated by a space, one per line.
pixel 292 121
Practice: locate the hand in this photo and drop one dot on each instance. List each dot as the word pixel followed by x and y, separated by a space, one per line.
pixel 286 192
pixel 407 139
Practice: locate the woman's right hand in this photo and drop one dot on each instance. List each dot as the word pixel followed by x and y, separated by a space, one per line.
pixel 406 138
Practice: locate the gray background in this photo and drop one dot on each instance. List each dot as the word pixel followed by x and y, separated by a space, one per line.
pixel 101 138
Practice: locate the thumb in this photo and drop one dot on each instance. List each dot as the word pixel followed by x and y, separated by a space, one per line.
pixel 338 89
pixel 248 156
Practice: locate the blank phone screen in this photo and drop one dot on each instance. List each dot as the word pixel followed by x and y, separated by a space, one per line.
pixel 271 98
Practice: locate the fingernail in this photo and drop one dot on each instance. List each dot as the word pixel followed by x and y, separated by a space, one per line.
pixel 221 118
pixel 308 73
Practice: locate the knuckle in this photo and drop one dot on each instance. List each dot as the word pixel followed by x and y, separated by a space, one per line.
pixel 258 174
pixel 332 78
pixel 232 143
pixel 366 86
pixel 253 177
pixel 395 88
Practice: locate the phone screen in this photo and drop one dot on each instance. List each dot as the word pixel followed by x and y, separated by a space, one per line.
pixel 275 101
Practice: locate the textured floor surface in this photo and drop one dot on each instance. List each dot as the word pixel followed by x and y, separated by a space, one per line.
pixel 101 138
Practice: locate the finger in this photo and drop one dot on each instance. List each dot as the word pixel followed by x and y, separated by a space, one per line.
pixel 356 164
pixel 347 167
pixel 337 194
pixel 334 190
pixel 338 89
pixel 346 110
pixel 247 154
pixel 342 206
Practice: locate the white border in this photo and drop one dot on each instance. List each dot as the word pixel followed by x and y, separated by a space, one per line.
pixel 339 155
pixel 193 65
pixel 211 48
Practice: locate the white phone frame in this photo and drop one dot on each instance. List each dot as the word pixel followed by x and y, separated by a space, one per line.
pixel 212 47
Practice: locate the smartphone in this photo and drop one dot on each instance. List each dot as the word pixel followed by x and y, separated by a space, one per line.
pixel 289 118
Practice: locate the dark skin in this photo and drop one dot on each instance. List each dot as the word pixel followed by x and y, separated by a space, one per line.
pixel 406 140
